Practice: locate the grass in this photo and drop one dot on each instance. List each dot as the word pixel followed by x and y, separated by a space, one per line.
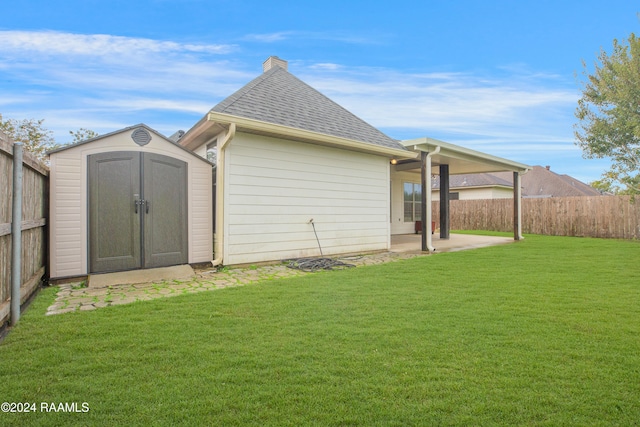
pixel 544 331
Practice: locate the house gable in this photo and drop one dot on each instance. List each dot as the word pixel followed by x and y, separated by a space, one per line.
pixel 279 97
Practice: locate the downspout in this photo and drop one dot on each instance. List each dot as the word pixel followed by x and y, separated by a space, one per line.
pixel 219 249
pixel 427 238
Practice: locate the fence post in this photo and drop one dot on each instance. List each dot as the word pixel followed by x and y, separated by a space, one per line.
pixel 517 206
pixel 16 234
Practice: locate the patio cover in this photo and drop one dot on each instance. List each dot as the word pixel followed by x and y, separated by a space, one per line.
pixel 453 160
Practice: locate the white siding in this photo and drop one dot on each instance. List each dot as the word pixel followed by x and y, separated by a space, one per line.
pixel 66 215
pixel 273 188
pixel 68 201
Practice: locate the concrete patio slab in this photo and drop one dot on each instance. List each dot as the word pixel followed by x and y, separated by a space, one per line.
pixel 456 242
pixel 176 272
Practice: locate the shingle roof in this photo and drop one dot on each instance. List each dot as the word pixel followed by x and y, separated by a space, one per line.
pixel 279 97
pixel 542 182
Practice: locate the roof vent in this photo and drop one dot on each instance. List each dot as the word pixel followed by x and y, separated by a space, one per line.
pixel 141 136
pixel 274 61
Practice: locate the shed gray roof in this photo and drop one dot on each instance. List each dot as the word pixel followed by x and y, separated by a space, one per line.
pixel 279 97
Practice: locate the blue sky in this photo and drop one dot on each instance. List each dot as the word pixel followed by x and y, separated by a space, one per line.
pixel 501 77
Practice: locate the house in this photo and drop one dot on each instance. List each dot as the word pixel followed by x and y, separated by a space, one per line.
pixel 543 182
pixel 539 182
pixel 477 186
pixel 296 171
pixel 294 175
pixel 291 163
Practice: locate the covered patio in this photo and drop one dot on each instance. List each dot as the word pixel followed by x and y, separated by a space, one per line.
pixel 445 159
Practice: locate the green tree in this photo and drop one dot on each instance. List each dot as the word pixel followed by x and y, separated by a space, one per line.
pixel 82 134
pixel 609 115
pixel 36 138
pixel 33 136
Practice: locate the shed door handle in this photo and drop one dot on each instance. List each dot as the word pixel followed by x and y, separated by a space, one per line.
pixel 147 203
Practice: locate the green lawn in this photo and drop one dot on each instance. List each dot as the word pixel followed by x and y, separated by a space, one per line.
pixel 545 331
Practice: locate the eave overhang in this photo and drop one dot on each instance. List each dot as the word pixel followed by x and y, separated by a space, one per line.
pixel 214 123
pixel 461 160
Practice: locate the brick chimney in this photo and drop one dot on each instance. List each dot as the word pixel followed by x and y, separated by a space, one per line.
pixel 273 61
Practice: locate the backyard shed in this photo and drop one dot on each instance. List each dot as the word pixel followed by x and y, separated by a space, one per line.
pixel 128 200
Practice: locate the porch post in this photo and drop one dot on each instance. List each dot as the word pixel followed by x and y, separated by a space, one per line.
pixel 426 215
pixel 424 159
pixel 517 207
pixel 445 217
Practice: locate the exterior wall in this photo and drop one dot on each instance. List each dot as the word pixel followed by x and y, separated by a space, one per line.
pixel 398 226
pixel 479 193
pixel 68 201
pixel 273 188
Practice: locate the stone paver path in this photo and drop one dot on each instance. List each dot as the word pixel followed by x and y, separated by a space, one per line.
pixel 74 297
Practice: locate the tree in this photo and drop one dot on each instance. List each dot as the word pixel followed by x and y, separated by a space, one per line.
pixel 33 136
pixel 37 139
pixel 609 115
pixel 82 134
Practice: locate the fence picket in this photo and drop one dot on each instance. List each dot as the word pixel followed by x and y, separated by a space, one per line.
pixel 616 217
pixel 35 188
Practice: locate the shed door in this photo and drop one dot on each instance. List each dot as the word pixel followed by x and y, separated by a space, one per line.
pixel 137 211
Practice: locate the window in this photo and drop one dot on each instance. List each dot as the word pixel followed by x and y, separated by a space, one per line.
pixel 412 202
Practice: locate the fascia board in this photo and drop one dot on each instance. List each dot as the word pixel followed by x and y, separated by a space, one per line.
pixel 286 132
pixel 457 152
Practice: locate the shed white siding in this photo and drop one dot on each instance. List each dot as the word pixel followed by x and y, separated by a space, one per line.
pixel 68 201
pixel 273 188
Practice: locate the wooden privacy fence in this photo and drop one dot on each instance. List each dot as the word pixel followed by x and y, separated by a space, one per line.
pixel 615 217
pixel 34 213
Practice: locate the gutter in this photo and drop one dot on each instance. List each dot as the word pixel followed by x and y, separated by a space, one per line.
pixel 219 249
pixel 302 135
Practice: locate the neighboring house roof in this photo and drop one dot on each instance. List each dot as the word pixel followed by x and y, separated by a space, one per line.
pixel 474 180
pixel 538 182
pixel 542 182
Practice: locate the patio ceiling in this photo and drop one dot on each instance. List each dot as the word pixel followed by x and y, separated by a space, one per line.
pixel 460 160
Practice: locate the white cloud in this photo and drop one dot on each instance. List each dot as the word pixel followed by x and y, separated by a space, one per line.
pixel 105 82
pixel 326 66
pixel 56 43
pixel 269 37
pixel 330 36
pixel 145 104
pixel 453 103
